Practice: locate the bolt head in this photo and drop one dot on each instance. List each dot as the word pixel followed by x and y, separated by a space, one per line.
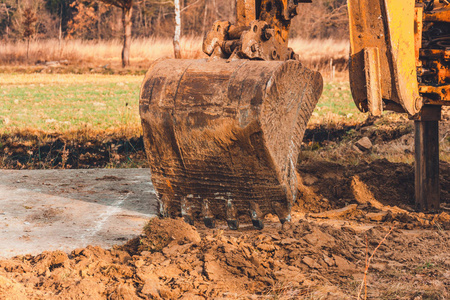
pixel 418 103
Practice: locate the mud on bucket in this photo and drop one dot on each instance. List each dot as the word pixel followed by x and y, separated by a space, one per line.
pixel 223 139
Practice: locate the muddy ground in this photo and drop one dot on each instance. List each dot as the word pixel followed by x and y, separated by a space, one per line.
pixel 307 259
pixel 30 149
pixel 354 232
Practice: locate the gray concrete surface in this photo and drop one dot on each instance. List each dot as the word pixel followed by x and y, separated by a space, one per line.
pixel 68 209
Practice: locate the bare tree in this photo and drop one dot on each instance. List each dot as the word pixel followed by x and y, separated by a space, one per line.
pixel 4 13
pixel 322 19
pixel 127 11
pixel 97 19
pixel 29 22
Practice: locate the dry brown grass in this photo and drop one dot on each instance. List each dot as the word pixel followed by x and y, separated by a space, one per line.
pixel 314 53
pixel 319 53
pixel 95 52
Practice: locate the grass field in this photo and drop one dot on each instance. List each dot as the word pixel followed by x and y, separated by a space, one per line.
pixel 88 109
pixel 68 102
pixel 58 103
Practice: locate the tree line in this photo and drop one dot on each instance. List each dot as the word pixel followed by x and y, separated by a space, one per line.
pixel 112 19
pixel 95 19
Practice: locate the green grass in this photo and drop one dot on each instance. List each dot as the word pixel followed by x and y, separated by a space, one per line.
pixel 92 105
pixel 62 102
pixel 336 106
pixel 68 102
pixel 337 98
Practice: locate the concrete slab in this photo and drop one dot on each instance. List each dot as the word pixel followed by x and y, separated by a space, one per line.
pixel 68 209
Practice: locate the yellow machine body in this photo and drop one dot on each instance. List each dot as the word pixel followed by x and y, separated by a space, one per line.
pixel 392 67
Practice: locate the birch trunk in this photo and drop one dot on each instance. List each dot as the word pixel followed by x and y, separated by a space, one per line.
pixel 176 36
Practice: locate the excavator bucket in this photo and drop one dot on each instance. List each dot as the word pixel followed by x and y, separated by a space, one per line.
pixel 223 134
pixel 223 137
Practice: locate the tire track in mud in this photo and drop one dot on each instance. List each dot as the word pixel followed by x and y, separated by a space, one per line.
pixel 112 209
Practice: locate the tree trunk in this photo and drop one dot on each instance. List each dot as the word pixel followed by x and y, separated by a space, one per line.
pixel 159 17
pixel 141 18
pixel 176 36
pixel 126 21
pixel 60 32
pixel 28 48
pixel 204 17
pixel 99 20
pixel 7 24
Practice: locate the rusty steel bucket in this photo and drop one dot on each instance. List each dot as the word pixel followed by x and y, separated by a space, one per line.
pixel 223 138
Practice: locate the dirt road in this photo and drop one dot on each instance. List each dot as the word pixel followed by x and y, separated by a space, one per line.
pixel 67 209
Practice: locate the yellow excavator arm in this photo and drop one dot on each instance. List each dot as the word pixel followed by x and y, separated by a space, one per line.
pixel 400 61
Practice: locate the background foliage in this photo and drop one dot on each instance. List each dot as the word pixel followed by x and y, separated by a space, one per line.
pixel 91 19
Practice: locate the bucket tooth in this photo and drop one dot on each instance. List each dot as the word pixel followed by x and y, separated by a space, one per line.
pixel 232 216
pixel 258 223
pixel 285 219
pixel 222 131
pixel 162 206
pixel 256 216
pixel 233 224
pixel 208 217
pixel 186 210
pixel 189 220
pixel 283 211
pixel 209 222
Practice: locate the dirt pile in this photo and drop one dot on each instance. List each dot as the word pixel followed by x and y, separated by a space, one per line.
pixel 381 191
pixel 304 259
pixel 331 183
pixel 159 234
